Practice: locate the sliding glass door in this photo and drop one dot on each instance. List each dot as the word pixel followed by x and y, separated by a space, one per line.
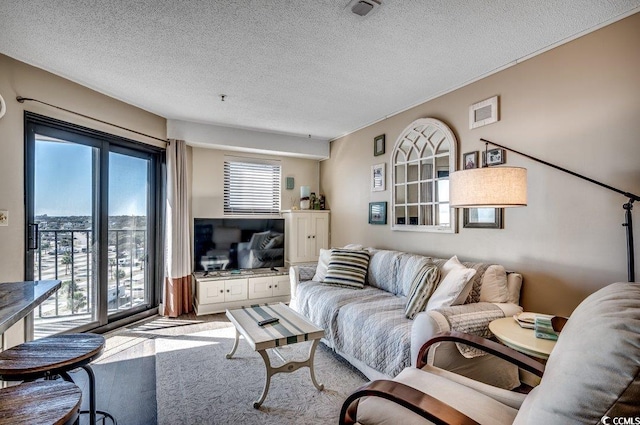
pixel 91 222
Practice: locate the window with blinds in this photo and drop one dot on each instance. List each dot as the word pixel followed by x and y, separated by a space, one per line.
pixel 251 187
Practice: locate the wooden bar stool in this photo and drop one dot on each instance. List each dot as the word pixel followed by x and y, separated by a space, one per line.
pixel 56 355
pixel 40 403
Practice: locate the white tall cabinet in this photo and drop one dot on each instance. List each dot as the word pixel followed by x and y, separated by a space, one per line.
pixel 306 232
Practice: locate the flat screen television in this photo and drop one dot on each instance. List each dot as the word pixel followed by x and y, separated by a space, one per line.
pixel 238 243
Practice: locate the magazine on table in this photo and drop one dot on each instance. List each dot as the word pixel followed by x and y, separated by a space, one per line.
pixel 527 320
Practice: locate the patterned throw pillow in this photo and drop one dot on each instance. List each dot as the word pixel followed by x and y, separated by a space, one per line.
pixel 347 268
pixel 423 285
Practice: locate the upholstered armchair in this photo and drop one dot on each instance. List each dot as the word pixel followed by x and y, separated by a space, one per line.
pixel 591 377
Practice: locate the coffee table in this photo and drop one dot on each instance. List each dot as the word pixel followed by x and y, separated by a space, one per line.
pixel 291 329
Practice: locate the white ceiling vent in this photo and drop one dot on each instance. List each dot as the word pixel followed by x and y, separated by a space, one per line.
pixel 363 7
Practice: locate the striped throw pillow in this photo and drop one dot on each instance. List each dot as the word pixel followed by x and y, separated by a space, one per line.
pixel 347 267
pixel 424 284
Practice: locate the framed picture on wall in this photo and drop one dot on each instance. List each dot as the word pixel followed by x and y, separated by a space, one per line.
pixel 495 156
pixel 378 177
pixel 482 218
pixel 377 213
pixel 470 160
pixel 378 145
pixel 483 113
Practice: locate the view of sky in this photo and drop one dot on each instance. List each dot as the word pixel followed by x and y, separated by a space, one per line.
pixel 63 181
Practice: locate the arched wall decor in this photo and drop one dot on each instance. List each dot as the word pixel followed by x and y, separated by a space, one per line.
pixel 424 155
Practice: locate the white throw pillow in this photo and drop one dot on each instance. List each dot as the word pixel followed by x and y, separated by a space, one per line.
pixel 494 285
pixel 453 289
pixel 323 264
pixel 452 263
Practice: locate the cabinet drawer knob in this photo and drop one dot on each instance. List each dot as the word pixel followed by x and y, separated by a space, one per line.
pixel 221 291
pixel 275 286
pixel 227 290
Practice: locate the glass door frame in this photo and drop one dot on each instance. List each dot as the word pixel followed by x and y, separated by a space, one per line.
pixel 106 143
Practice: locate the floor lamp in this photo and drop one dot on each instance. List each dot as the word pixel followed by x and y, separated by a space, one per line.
pixel 505 187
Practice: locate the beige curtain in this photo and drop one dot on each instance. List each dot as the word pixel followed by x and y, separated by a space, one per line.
pixel 177 292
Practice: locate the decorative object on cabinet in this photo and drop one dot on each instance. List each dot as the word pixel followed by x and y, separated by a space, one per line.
pixel 422 158
pixel 482 218
pixel 470 160
pixel 377 213
pixel 290 183
pixel 483 113
pixel 305 193
pixel 507 187
pixel 378 177
pixel 306 232
pixel 493 157
pixel 378 145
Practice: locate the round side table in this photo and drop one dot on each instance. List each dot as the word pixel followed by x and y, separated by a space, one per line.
pixel 521 339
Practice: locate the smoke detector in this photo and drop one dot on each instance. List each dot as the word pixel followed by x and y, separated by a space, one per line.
pixel 363 7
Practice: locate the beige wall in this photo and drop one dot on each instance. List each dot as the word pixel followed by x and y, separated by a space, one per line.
pixel 577 106
pixel 17 78
pixel 208 180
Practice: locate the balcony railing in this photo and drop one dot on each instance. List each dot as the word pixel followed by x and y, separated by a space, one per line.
pixel 67 255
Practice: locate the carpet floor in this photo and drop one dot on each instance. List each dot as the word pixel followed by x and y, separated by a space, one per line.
pixel 196 384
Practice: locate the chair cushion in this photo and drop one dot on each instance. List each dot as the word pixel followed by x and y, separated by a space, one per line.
pixel 594 368
pixel 347 267
pixel 477 406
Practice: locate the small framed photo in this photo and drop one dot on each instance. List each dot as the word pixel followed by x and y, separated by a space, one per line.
pixel 470 160
pixel 290 183
pixel 482 218
pixel 378 177
pixel 495 156
pixel 483 113
pixel 378 145
pixel 377 213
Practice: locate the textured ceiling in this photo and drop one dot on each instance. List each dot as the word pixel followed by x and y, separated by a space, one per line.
pixel 296 66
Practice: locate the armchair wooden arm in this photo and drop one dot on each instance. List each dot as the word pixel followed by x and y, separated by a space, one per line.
pixel 491 347
pixel 423 404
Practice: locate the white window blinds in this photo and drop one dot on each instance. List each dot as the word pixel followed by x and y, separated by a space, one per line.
pixel 251 187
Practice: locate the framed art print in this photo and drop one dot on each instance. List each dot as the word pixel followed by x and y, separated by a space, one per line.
pixel 482 218
pixel 483 113
pixel 378 177
pixel 377 213
pixel 378 145
pixel 495 156
pixel 470 160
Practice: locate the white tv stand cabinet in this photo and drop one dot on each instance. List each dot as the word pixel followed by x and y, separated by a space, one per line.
pixel 220 290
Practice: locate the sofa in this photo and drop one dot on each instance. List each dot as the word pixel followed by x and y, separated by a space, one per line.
pixel 369 328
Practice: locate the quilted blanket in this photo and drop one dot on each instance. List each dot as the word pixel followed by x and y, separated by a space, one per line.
pixel 321 302
pixel 472 319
